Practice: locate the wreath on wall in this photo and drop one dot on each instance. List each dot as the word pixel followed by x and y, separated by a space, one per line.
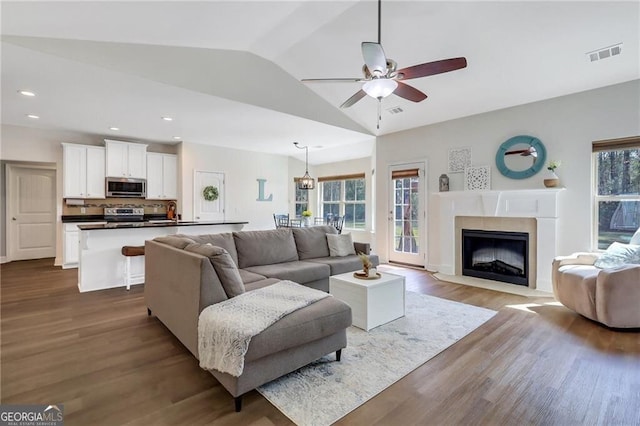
pixel 210 193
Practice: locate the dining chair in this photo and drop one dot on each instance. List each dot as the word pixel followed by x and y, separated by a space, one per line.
pixel 281 220
pixel 338 222
pixel 318 221
pixel 295 223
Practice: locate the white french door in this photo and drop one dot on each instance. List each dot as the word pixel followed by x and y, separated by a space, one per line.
pixel 407 214
pixel 31 212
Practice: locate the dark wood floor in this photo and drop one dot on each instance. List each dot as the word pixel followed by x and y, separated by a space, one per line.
pixel 100 355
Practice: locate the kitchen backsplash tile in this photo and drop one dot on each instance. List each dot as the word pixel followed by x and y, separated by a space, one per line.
pixel 93 207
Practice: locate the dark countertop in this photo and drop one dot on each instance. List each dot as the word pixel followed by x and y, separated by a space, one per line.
pixel 124 225
pixel 100 218
pixel 82 218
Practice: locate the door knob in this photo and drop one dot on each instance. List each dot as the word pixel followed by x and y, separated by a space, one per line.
pixel 13 218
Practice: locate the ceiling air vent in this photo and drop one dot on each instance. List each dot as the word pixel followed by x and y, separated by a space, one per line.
pixel 604 53
pixel 395 110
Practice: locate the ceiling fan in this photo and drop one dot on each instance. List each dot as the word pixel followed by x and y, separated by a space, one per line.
pixel 382 78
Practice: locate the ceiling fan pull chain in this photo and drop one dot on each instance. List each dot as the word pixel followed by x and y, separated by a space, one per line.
pixel 379 113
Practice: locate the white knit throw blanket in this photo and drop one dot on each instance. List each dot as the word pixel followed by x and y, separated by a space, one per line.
pixel 226 328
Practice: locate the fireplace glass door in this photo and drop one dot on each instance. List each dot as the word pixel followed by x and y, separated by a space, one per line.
pixel 494 255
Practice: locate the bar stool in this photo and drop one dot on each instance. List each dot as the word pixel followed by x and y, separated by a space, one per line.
pixel 128 252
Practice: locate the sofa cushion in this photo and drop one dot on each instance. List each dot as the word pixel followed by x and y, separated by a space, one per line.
pixel 224 266
pixel 265 247
pixel 341 265
pixel 618 254
pixel 177 241
pixel 320 319
pixel 635 239
pixel 298 271
pixel 340 245
pixel 249 277
pixel 224 240
pixel 311 241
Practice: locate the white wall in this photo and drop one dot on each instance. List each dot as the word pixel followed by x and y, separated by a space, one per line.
pixel 566 126
pixel 361 165
pixel 241 169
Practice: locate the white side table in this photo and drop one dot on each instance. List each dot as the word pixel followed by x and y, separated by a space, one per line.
pixel 372 302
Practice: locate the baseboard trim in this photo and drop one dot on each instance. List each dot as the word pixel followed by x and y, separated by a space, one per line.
pixel 3 259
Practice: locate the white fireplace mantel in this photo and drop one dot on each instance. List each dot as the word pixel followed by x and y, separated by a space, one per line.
pixel 540 204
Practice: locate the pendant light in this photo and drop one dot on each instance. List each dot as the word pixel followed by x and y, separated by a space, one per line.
pixel 306 181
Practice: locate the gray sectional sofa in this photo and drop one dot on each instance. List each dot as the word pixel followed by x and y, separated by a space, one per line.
pixel 181 282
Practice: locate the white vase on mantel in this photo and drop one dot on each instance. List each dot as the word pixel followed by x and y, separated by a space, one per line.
pixel 551 179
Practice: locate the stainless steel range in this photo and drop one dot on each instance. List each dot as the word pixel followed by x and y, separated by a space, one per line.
pixel 124 214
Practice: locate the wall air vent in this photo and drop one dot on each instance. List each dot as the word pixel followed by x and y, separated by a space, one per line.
pixel 395 110
pixel 604 53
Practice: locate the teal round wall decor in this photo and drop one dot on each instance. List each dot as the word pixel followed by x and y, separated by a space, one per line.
pixel 521 157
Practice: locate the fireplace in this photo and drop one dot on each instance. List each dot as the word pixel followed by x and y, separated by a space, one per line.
pixel 496 255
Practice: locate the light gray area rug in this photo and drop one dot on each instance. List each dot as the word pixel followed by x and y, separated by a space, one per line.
pixel 326 390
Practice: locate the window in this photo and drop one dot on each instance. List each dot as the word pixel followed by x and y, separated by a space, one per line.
pixel 617 190
pixel 344 196
pixel 302 200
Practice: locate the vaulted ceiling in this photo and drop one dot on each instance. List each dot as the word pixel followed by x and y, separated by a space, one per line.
pixel 228 73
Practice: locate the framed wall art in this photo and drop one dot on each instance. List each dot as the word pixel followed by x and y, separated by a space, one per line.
pixel 477 178
pixel 459 159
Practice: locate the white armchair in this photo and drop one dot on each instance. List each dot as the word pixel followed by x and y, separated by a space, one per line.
pixel 610 296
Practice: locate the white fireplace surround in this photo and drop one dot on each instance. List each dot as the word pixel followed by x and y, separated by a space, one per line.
pixel 539 204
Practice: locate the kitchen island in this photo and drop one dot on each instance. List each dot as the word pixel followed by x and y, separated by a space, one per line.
pixel 101 263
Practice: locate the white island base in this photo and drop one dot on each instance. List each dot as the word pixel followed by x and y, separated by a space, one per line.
pixel 101 263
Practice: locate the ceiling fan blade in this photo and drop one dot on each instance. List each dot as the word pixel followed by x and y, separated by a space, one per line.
pixel 408 92
pixel 353 99
pixel 432 68
pixel 332 80
pixel 374 58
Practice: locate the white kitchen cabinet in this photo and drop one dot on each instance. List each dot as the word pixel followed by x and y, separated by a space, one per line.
pixel 83 169
pixel 71 243
pixel 162 175
pixel 126 159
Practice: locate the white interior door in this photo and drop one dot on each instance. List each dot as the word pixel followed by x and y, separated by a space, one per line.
pixel 407 214
pixel 31 212
pixel 203 210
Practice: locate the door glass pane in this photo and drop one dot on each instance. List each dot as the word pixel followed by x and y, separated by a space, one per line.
pixel 406 233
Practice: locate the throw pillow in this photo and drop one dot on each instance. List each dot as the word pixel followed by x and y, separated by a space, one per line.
pixel 340 245
pixel 636 238
pixel 224 266
pixel 618 254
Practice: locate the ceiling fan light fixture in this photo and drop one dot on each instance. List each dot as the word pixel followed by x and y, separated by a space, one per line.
pixel 380 87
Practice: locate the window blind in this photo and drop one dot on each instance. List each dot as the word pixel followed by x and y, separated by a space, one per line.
pixel 401 174
pixel 341 177
pixel 613 144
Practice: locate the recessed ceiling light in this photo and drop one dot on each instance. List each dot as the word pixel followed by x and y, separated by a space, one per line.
pixel 114 128
pixel 167 118
pixel 177 138
pixel 26 93
pixel 33 116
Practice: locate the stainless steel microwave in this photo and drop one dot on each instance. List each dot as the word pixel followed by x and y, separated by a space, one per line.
pixel 126 187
